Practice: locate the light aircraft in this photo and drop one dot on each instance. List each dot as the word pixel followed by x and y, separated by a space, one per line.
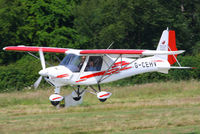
pixel 89 67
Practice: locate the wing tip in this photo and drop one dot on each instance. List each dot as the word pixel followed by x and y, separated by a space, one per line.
pixel 4 48
pixel 181 51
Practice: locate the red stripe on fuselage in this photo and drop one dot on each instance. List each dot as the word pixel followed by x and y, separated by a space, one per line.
pixel 62 75
pixel 157 61
pixel 123 63
pixel 114 69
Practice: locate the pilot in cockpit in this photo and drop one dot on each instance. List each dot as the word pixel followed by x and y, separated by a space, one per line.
pixel 82 62
pixel 91 66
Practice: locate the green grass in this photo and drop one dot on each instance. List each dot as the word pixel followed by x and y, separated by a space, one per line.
pixel 167 107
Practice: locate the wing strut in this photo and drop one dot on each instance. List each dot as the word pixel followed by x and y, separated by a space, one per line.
pixel 39 58
pixel 179 65
pixel 108 69
pixel 103 78
pixel 110 45
pixel 175 57
pixel 120 69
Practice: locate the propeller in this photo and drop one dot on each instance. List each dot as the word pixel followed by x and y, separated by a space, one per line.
pixel 42 59
pixel 37 83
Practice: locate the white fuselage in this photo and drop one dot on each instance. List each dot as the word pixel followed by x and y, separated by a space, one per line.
pixel 122 68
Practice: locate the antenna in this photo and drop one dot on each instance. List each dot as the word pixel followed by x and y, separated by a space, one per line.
pixel 110 45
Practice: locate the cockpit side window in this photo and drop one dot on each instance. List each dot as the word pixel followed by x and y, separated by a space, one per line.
pixel 67 60
pixel 94 63
pixel 73 62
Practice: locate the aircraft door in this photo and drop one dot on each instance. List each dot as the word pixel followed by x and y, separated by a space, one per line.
pixel 94 64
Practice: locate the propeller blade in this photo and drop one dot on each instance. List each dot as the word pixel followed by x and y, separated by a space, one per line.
pixel 37 83
pixel 42 59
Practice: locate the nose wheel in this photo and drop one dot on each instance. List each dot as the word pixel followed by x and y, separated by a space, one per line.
pixel 78 92
pixel 77 98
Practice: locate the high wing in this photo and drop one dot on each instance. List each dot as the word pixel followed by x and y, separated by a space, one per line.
pixel 130 52
pixel 124 52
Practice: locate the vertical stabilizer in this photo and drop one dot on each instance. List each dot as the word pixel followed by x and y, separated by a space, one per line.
pixel 163 44
pixel 167 43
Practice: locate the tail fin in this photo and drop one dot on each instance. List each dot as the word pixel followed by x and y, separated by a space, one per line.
pixel 167 43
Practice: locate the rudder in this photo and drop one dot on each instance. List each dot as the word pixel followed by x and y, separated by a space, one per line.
pixel 172 47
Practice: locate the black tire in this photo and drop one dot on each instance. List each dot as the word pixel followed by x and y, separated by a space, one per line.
pixel 102 100
pixel 77 98
pixel 55 103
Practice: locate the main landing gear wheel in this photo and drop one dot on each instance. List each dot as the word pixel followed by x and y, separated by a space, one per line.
pixel 55 99
pixel 101 95
pixel 102 100
pixel 55 103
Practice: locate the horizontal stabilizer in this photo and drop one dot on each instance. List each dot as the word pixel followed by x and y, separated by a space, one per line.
pixel 151 52
pixel 181 67
pixel 173 67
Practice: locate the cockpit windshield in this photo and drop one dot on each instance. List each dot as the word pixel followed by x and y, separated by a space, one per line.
pixel 73 62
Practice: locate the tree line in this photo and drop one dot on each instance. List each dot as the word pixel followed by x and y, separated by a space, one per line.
pixel 94 24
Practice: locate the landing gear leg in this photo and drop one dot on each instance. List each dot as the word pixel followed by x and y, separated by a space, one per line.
pixel 79 92
pixel 57 90
pixel 99 87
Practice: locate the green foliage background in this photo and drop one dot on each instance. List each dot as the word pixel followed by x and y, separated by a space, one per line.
pixel 87 24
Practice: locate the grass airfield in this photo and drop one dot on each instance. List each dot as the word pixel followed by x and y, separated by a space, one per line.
pixel 166 107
